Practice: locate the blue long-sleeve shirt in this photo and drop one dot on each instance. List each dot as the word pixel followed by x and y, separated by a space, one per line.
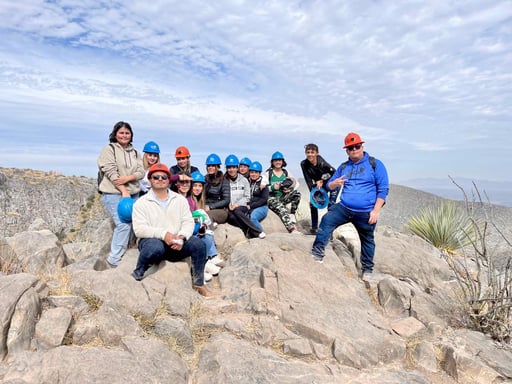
pixel 363 184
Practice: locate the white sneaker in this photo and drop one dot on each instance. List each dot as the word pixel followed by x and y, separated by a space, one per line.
pixel 295 232
pixel 293 218
pixel 262 235
pixel 211 268
pixel 218 261
pixel 207 276
pixel 215 225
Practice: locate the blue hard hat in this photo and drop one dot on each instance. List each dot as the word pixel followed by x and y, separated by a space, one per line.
pixel 256 166
pixel 319 198
pixel 213 159
pixel 197 177
pixel 151 147
pixel 245 161
pixel 125 209
pixel 277 156
pixel 231 161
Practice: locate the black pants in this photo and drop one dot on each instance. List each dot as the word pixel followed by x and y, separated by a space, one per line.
pixel 239 217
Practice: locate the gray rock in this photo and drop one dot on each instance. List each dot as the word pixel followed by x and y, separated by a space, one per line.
pixel 407 327
pixel 140 360
pixel 23 322
pixel 297 347
pixel 175 331
pixel 39 252
pixel 108 325
pixel 424 355
pixel 12 289
pixel 395 297
pixel 52 327
pixel 75 304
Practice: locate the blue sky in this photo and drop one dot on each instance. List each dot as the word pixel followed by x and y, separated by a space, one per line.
pixel 428 85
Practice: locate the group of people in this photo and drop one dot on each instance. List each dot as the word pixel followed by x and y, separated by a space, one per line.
pixel 176 208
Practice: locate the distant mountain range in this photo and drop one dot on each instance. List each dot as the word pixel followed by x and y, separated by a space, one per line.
pixel 497 192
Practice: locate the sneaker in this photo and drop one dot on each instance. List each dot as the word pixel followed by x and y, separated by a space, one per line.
pixel 313 231
pixel 218 261
pixel 294 231
pixel 211 268
pixel 203 291
pixel 137 276
pixel 318 259
pixel 262 235
pixel 293 219
pixel 110 266
pixel 207 277
pixel 215 225
pixel 367 276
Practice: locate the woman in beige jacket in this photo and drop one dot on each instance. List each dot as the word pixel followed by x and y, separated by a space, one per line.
pixel 120 169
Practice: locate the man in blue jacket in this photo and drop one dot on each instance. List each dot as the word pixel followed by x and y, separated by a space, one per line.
pixel 365 186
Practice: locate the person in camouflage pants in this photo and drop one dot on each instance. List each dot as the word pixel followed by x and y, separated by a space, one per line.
pixel 283 190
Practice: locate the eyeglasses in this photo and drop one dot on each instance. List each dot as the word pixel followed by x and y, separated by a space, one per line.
pixel 159 177
pixel 353 147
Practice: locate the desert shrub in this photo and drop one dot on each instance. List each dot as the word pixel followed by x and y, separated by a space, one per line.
pixel 485 291
pixel 445 226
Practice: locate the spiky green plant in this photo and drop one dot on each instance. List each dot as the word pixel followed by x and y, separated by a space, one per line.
pixel 444 226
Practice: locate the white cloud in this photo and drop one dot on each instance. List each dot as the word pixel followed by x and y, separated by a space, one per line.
pixel 396 72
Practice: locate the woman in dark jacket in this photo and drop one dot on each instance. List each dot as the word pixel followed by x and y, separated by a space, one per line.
pixel 217 194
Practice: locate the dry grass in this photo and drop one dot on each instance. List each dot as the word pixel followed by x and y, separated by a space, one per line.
pixel 93 301
pixel 147 323
pixel 59 282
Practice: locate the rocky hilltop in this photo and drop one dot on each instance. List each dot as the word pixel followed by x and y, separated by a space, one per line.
pixel 277 317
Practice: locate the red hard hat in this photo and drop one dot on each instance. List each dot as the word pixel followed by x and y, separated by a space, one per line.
pixel 159 167
pixel 182 152
pixel 352 139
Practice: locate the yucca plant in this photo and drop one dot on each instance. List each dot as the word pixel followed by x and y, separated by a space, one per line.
pixel 444 226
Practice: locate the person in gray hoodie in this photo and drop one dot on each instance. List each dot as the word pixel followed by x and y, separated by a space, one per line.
pixel 240 193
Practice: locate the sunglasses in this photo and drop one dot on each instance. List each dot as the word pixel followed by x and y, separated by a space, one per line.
pixel 159 177
pixel 353 147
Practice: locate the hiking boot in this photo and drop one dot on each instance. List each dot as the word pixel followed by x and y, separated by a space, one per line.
pixel 203 291
pixel 262 235
pixel 211 268
pixel 293 219
pixel 318 259
pixel 207 276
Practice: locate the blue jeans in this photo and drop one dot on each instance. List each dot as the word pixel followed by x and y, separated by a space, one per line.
pixel 209 241
pixel 339 215
pixel 257 216
pixel 153 251
pixel 122 231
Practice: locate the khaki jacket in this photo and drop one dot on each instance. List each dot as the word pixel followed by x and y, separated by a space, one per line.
pixel 115 161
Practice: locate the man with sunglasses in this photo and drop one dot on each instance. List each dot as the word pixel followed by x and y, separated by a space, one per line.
pixel 364 187
pixel 163 224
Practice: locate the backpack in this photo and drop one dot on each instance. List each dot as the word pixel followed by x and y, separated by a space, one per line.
pixel 372 163
pixel 101 174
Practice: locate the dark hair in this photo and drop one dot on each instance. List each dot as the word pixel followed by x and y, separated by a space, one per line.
pixel 215 179
pixel 272 163
pixel 117 127
pixel 311 147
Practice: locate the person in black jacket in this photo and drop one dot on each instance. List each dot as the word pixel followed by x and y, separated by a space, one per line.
pixel 216 189
pixel 316 172
pixel 259 195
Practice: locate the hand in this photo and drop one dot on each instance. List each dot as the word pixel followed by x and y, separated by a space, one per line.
pixel 184 177
pixel 121 180
pixel 319 183
pixel 374 217
pixel 337 183
pixel 277 186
